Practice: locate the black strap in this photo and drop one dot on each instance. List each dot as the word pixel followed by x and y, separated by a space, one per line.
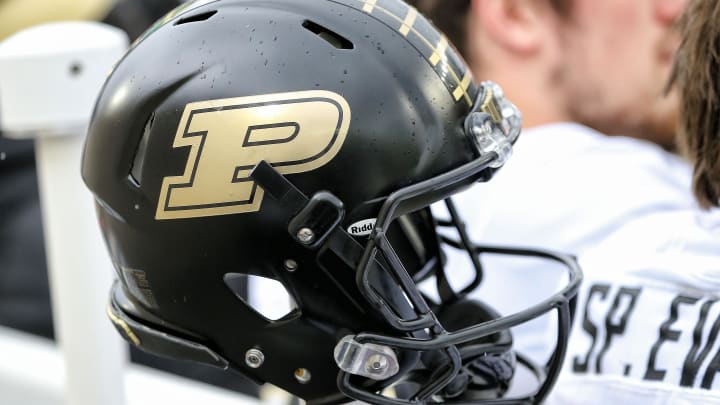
pixel 278 187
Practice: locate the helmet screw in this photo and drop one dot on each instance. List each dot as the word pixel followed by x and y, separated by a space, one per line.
pixel 306 235
pixel 302 375
pixel 254 358
pixel 376 364
pixel 290 265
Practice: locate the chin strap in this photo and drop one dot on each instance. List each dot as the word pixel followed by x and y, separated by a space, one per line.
pixel 315 221
pixel 489 362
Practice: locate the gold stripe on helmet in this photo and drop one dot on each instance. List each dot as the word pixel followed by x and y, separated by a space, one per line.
pixel 489 106
pixel 408 22
pixel 461 90
pixel 369 5
pixel 439 52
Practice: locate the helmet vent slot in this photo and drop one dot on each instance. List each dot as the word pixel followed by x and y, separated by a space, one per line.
pixel 195 18
pixel 266 296
pixel 331 37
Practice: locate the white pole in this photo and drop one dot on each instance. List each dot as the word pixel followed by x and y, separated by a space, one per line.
pixel 50 76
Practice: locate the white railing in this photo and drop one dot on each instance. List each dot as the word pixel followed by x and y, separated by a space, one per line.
pixel 32 372
pixel 50 76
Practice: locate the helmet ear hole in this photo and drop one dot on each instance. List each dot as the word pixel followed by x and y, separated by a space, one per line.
pixel 266 296
pixel 135 175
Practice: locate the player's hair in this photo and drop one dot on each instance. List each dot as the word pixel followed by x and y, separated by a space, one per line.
pixel 450 16
pixel 697 75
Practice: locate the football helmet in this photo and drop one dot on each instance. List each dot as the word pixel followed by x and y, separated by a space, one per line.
pixel 303 142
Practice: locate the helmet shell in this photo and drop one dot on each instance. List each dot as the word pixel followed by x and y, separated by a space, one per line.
pixel 363 98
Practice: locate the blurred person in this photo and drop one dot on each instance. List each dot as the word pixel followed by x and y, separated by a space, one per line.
pixel 24 291
pixel 650 319
pixel 579 70
pixel 602 64
pixel 647 326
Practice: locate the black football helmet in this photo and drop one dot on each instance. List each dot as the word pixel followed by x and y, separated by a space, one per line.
pixel 303 142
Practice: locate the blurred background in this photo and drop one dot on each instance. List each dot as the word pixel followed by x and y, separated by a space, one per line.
pixel 25 301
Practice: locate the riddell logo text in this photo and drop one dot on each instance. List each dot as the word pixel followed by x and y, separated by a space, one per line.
pixel 362 228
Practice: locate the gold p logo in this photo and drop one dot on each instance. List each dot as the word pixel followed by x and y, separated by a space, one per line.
pixel 294 132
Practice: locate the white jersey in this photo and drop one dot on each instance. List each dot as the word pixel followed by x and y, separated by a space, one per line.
pixel 647 328
pixel 566 188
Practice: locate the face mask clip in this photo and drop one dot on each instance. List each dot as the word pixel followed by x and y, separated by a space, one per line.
pixel 494 124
